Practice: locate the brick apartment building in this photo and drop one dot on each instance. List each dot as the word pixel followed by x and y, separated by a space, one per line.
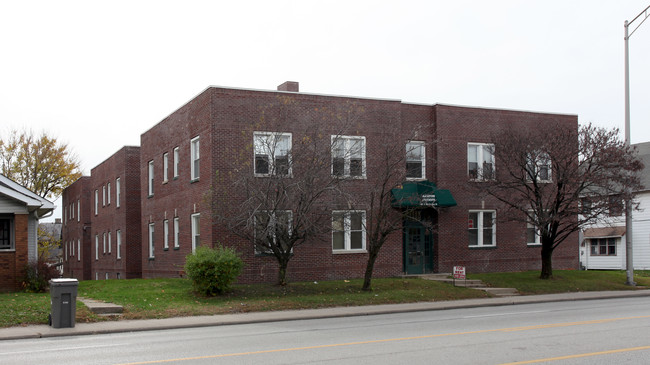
pixel 101 220
pixel 183 161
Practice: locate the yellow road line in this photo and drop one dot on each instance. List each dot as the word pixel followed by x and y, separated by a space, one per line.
pixel 579 355
pixel 512 329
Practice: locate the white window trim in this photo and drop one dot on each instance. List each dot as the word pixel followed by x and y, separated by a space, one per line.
pixel 479 225
pixel 103 195
pixel 271 151
pixel 176 161
pixel 12 235
pixel 346 156
pixel 150 180
pixel 176 233
pixel 96 201
pixel 165 167
pixel 118 238
pixel 538 237
pixel 166 234
pixel 541 160
pixel 78 250
pixel 196 231
pixel 195 155
pixel 96 247
pixel 480 161
pixel 78 210
pixel 109 242
pixel 422 145
pixel 108 193
pixel 104 241
pixel 151 240
pixel 118 183
pixel 348 232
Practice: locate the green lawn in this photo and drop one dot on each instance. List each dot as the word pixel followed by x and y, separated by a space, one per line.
pixel 161 298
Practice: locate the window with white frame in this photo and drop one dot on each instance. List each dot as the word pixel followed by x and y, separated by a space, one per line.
pixel 108 193
pixel 118 243
pixel 72 210
pixel 150 177
pixel 195 158
pixel 104 242
pixel 272 153
pixel 166 234
pixel 349 156
pixel 480 161
pixel 539 167
pixel 196 231
pixel 348 230
pixel 96 247
pixel 109 242
pixel 176 235
pixel 72 246
pixel 415 160
pixel 176 150
pixel 603 246
pixel 118 193
pixel 271 227
pixel 104 196
pixel 482 228
pixel 96 200
pixel 151 241
pixel 78 250
pixel 533 236
pixel 7 239
pixel 165 166
pixel 78 210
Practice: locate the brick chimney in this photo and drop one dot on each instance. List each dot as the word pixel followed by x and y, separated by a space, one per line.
pixel 289 86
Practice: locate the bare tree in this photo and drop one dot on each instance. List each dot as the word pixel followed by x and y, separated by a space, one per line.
pixel 287 189
pixel 558 179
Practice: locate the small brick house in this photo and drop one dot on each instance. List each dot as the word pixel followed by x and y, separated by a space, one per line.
pixel 20 210
pixel 182 157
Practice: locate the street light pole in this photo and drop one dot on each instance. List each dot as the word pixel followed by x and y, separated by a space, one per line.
pixel 629 259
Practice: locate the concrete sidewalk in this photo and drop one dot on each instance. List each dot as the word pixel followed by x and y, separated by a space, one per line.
pixel 38 331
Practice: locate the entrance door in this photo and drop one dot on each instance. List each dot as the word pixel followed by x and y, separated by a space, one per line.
pixel 418 244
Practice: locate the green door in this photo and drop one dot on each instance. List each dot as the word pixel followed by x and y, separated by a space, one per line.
pixel 418 248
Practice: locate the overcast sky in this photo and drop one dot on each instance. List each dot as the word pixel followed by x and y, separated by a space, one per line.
pixel 98 74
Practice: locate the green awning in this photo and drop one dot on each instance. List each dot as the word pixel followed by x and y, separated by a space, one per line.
pixel 414 194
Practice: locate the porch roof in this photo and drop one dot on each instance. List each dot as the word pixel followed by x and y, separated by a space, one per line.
pixel 415 194
pixel 604 232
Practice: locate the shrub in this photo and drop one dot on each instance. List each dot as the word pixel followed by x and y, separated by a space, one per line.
pixel 37 275
pixel 213 270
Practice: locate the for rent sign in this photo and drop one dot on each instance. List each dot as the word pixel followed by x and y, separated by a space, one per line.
pixel 459 272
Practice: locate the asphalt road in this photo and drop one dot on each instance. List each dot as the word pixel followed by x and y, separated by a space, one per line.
pixel 580 332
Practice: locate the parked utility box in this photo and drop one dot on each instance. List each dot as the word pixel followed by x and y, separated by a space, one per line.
pixel 63 299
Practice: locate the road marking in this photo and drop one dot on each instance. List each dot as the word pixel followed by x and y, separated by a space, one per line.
pixel 579 355
pixel 512 329
pixel 59 349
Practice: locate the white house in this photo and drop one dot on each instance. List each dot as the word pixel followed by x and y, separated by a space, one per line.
pixel 603 247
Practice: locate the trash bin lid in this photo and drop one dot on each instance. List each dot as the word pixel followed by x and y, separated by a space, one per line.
pixel 64 281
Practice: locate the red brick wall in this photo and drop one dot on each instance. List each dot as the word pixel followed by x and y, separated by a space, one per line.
pixel 77 229
pixel 12 263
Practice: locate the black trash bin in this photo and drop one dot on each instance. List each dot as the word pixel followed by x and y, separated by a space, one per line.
pixel 63 298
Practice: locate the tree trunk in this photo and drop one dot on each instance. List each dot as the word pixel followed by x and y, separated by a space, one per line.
pixel 547 261
pixel 282 272
pixel 372 256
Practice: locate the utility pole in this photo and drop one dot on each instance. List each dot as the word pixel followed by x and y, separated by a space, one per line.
pixel 629 258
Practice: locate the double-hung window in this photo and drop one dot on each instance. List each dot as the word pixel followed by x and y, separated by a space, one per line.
pixel 348 231
pixel 150 177
pixel 6 233
pixel 96 200
pixel 482 228
pixel 118 239
pixel 104 242
pixel 176 150
pixel 151 236
pixel 166 234
pixel 78 249
pixel 117 192
pixel 539 167
pixel 176 228
pixel 196 230
pixel 195 158
pixel 109 242
pixel 533 236
pixel 415 160
pixel 272 229
pixel 165 166
pixel 78 210
pixel 108 194
pixel 96 247
pixel 349 156
pixel 272 153
pixel 480 161
pixel 104 196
